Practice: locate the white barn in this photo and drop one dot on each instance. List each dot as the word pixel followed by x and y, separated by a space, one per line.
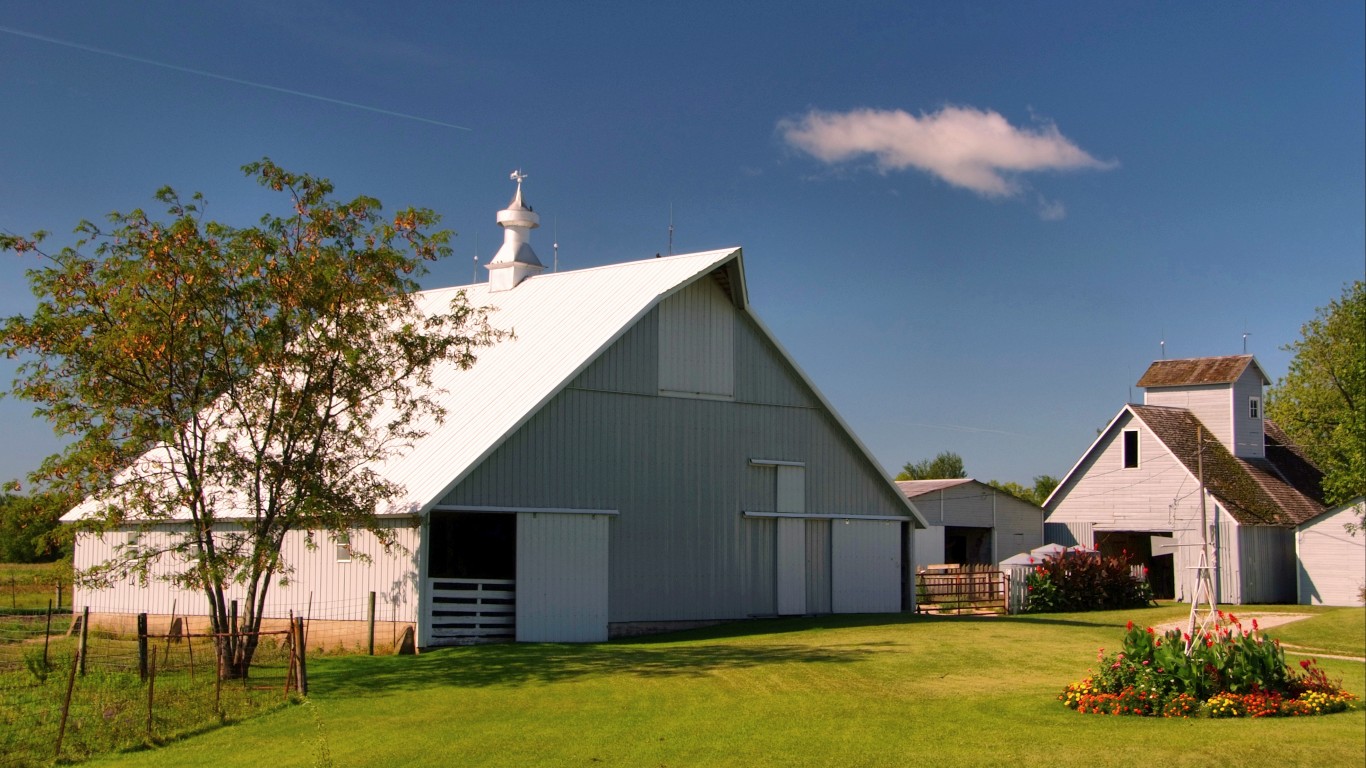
pixel 642 455
pixel 1136 489
pixel 1331 559
pixel 970 522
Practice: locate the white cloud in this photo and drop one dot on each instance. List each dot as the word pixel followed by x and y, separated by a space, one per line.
pixel 970 148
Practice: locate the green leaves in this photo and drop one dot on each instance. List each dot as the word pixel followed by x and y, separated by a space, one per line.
pixel 240 381
pixel 1321 401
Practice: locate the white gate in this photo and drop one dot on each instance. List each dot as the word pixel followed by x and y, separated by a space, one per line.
pixel 472 610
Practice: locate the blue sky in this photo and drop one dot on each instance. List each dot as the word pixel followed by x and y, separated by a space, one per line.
pixel 971 224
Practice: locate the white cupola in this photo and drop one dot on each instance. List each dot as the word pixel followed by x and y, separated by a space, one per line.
pixel 515 261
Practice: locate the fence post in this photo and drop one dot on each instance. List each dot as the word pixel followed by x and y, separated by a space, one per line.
pixel 303 666
pixel 66 703
pixel 59 593
pixel 142 647
pixel 370 624
pixel 85 635
pixel 47 632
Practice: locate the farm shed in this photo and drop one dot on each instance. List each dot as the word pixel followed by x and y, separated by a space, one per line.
pixel 642 455
pixel 1136 489
pixel 1332 559
pixel 971 523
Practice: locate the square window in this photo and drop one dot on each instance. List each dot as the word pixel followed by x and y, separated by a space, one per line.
pixel 344 551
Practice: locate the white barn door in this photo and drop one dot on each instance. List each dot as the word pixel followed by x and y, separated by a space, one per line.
pixel 561 577
pixel 865 566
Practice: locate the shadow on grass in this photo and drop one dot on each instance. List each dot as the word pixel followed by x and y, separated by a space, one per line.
pixel 522 663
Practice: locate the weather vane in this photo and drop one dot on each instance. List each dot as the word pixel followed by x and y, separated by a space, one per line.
pixel 517 176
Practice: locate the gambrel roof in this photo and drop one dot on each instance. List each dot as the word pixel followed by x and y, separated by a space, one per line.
pixel 1280 490
pixel 1199 370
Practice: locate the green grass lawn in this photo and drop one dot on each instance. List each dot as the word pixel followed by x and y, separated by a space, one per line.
pixel 26 586
pixel 846 691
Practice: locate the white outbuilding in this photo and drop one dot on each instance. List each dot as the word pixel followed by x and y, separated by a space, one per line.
pixel 1332 556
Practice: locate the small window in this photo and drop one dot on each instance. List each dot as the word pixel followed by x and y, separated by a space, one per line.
pixel 344 550
pixel 1130 448
pixel 1254 407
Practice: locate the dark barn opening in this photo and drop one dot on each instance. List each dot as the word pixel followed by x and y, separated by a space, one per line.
pixel 471 570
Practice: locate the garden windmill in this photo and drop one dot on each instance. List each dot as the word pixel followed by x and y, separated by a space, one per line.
pixel 1203 614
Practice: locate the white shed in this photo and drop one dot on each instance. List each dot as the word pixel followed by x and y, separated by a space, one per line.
pixel 1332 559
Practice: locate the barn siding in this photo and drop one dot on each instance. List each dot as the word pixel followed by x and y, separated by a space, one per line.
pixel 1268 558
pixel 319 588
pixel 818 566
pixel 697 341
pixel 616 370
pixel 1331 562
pixel 1210 403
pixel 865 566
pixel 562 577
pixel 1249 439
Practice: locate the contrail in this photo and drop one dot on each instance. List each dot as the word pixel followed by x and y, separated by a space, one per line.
pixel 202 73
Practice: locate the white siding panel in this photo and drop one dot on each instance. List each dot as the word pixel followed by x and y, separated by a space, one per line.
pixel 697 341
pixel 1212 404
pixel 791 566
pixel 865 566
pixel 318 588
pixel 562 577
pixel 1249 440
pixel 1332 562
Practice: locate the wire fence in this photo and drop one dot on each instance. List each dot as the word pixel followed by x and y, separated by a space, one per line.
pixel 69 690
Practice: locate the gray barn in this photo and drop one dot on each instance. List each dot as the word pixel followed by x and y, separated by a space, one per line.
pixel 641 455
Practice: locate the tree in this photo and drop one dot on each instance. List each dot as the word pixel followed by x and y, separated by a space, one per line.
pixel 29 530
pixel 945 465
pixel 240 382
pixel 1321 401
pixel 1043 487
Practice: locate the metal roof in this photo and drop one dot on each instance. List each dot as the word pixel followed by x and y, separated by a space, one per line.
pixel 914 488
pixel 559 324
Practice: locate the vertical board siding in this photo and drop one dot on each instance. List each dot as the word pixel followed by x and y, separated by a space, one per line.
pixel 791 566
pixel 865 566
pixel 1019 526
pixel 562 577
pixel 1331 561
pixel 1268 564
pixel 620 367
pixel 758 379
pixel 818 566
pixel 697 341
pixel 319 587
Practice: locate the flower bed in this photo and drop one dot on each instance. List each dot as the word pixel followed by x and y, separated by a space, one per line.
pixel 1230 672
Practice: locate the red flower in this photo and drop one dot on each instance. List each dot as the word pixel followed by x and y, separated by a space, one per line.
pixel 1129 626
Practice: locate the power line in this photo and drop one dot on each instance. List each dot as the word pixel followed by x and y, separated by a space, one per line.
pixel 226 78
